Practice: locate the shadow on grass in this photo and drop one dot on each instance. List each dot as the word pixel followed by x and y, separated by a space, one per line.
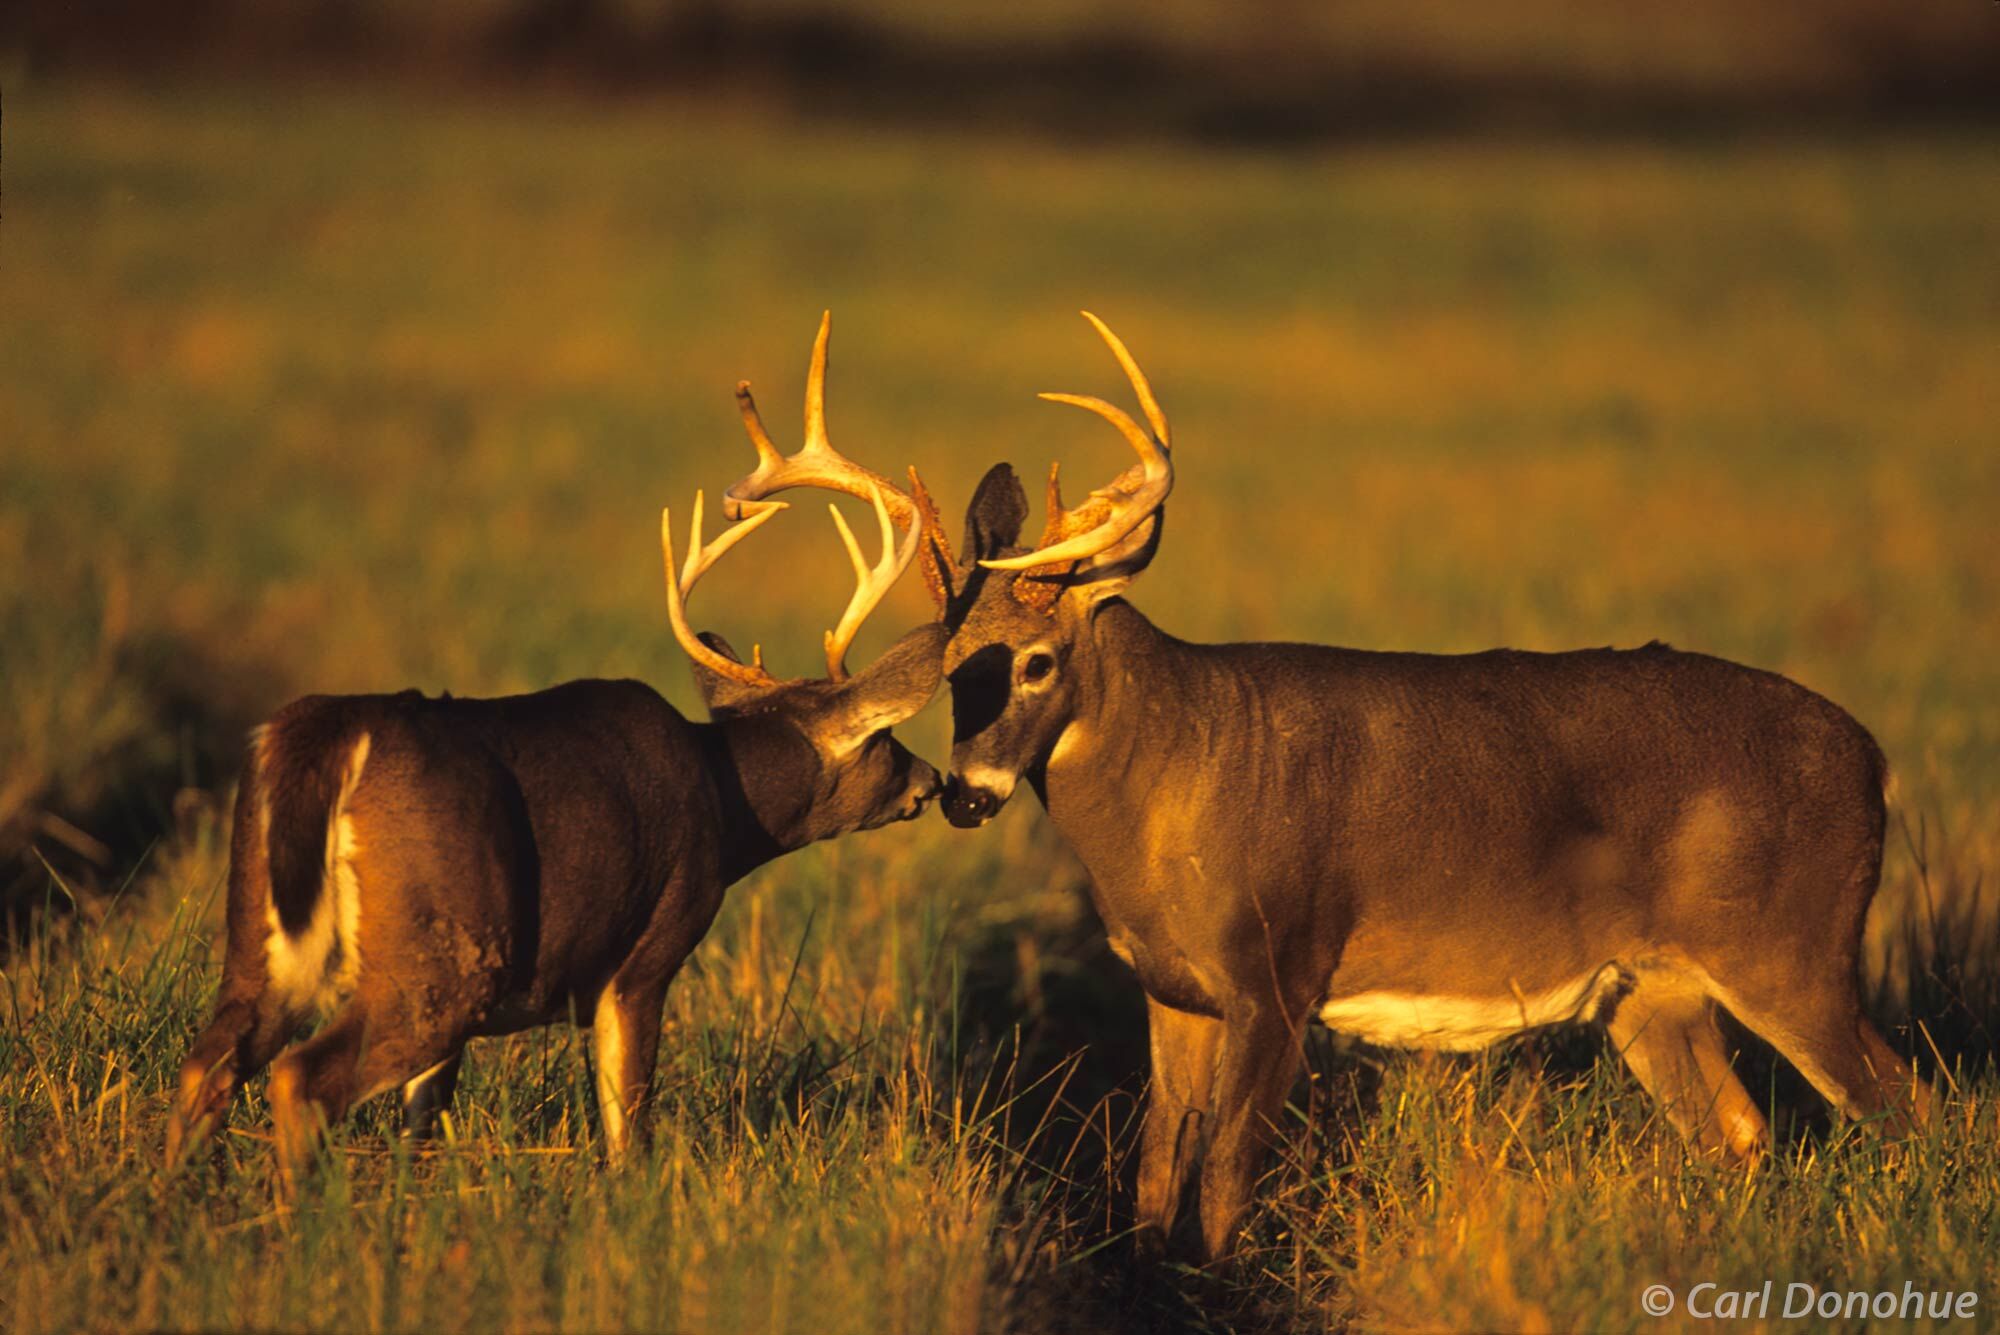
pixel 1064 1022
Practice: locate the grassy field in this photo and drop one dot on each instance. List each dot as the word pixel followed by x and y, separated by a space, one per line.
pixel 300 390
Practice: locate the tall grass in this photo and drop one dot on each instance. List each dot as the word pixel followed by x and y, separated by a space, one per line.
pixel 812 1163
pixel 331 394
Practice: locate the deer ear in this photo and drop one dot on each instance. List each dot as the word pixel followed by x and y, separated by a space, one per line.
pixel 722 695
pixel 893 687
pixel 993 520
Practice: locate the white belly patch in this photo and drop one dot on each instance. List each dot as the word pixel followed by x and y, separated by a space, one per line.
pixel 1465 1023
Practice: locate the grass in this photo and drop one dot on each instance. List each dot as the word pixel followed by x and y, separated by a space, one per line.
pixel 302 390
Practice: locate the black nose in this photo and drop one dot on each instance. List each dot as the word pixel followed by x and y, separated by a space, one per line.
pixel 924 785
pixel 968 807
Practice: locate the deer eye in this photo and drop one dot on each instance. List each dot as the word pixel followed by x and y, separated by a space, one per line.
pixel 1037 667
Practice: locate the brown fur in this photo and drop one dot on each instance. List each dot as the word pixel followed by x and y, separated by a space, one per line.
pixel 1279 831
pixel 515 861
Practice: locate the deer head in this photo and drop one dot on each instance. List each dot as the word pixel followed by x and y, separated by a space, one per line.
pixel 1020 655
pixel 840 722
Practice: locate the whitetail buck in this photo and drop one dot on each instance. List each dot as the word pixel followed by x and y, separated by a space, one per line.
pixel 1421 850
pixel 424 871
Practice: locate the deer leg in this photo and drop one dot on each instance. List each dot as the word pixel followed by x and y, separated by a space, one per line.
pixel 1184 1053
pixel 350 1061
pixel 625 1044
pixel 1668 1037
pixel 242 1038
pixel 312 1087
pixel 1898 1086
pixel 1260 1056
pixel 1745 1132
pixel 1824 1033
pixel 429 1095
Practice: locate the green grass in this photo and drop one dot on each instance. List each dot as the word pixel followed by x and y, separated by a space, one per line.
pixel 301 390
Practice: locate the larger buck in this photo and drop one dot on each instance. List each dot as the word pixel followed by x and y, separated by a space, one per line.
pixel 424 871
pixel 1421 850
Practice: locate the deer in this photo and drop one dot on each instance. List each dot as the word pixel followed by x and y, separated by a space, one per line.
pixel 421 871
pixel 1418 850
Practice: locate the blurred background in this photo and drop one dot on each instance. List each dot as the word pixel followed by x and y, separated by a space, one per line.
pixel 1257 71
pixel 352 345
pixel 347 345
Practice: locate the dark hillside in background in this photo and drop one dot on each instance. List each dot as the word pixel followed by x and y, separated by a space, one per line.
pixel 1266 70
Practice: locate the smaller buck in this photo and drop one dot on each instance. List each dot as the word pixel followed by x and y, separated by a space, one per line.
pixel 424 871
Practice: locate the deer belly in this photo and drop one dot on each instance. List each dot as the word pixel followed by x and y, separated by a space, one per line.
pixel 1464 1023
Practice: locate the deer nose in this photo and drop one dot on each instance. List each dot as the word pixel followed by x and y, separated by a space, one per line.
pixel 968 807
pixel 925 783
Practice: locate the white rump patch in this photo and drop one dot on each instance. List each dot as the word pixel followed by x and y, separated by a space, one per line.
pixel 317 969
pixel 1464 1024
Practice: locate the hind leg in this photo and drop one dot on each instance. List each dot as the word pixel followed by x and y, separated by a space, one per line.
pixel 1822 1031
pixel 349 1062
pixel 246 1033
pixel 1792 975
pixel 1900 1087
pixel 1665 1030
pixel 428 1095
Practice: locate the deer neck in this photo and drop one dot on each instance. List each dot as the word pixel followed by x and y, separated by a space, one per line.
pixel 766 776
pixel 1132 677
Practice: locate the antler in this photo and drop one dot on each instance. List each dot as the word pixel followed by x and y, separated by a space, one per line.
pixel 699 559
pixel 870 583
pixel 818 464
pixel 1111 513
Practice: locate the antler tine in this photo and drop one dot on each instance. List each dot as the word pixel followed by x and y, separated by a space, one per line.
pixel 1145 445
pixel 753 422
pixel 1140 385
pixel 1129 501
pixel 816 442
pixel 817 464
pixel 870 584
pixel 699 559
